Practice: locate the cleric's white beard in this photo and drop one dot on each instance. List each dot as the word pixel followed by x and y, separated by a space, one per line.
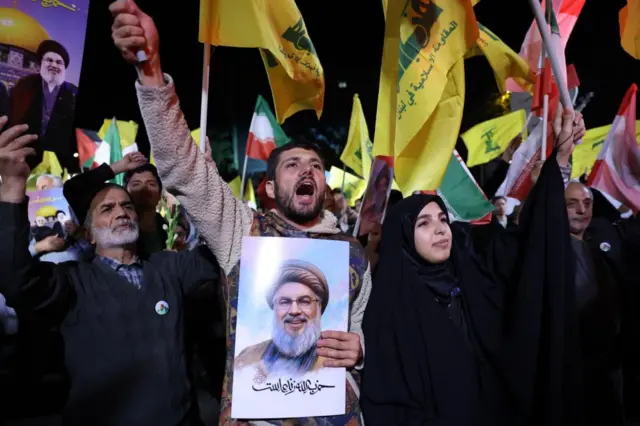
pixel 50 78
pixel 108 238
pixel 296 345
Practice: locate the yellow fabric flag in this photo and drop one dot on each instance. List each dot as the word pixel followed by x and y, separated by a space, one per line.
pixel 584 155
pixel 354 187
pixel 249 194
pixel 488 140
pixel 504 61
pixel 277 28
pixel 128 130
pixel 357 153
pixel 629 19
pixel 433 38
pixel 49 165
pixel 422 164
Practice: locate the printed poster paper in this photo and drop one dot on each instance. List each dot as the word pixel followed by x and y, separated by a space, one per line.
pixel 290 290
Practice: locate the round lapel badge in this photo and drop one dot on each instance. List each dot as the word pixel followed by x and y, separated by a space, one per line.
pixel 605 247
pixel 162 308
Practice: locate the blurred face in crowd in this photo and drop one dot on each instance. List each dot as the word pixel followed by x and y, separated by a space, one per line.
pixel 340 203
pixel 114 222
pixel 299 187
pixel 579 203
pixel 432 234
pixel 297 319
pixel 144 190
pixel 46 182
pixel 500 205
pixel 52 69
pixel 329 202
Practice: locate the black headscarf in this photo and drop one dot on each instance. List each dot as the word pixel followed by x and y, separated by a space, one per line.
pixel 516 361
pixel 420 363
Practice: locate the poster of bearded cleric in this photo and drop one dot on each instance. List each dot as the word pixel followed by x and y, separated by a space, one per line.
pixel 290 290
pixel 49 214
pixel 374 203
pixel 41 47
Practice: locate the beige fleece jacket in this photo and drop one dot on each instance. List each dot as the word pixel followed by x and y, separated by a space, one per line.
pixel 220 218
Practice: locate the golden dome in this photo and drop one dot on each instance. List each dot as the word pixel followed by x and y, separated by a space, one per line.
pixel 20 30
pixel 46 211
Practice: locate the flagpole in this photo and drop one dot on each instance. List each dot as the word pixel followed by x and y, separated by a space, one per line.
pixel 244 176
pixel 204 101
pixel 551 53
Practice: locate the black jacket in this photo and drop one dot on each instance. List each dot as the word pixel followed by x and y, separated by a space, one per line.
pixel 125 360
pixel 25 107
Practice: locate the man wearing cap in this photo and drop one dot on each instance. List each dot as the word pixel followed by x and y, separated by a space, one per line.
pixel 121 316
pixel 46 102
pixel 298 297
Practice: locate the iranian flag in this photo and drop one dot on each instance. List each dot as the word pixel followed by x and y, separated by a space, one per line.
pixel 265 134
pixel 617 169
pixel 461 193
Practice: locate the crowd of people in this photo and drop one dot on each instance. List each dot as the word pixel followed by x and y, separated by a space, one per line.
pixel 530 320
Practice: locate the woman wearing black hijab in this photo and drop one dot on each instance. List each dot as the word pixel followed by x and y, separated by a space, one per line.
pixel 455 338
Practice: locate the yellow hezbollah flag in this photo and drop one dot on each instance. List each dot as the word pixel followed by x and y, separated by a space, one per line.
pixel 277 28
pixel 387 91
pixel 354 187
pixel 584 155
pixel 486 141
pixel 128 130
pixel 357 153
pixel 433 38
pixel 49 165
pixel 504 61
pixel 629 18
pixel 421 166
pixel 235 186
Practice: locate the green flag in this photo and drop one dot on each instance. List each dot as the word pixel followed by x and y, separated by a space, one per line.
pixel 115 149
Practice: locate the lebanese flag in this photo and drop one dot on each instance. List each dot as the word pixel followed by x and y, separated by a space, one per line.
pixel 265 134
pixel 617 169
pixel 565 17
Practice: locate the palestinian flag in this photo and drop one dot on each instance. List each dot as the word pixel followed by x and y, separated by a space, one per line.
pixel 461 193
pixel 265 134
pixel 88 142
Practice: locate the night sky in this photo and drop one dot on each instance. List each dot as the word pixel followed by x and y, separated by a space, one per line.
pixel 348 38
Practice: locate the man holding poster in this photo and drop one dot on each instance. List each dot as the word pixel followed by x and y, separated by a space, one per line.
pixel 295 181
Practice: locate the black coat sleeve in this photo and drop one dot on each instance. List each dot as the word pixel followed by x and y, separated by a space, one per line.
pixel 196 267
pixel 492 184
pixel 29 286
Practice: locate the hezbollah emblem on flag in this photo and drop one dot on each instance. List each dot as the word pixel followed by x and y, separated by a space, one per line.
pixel 423 15
pixel 296 35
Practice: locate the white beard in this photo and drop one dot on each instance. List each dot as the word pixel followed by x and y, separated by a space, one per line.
pixel 295 346
pixel 108 238
pixel 55 79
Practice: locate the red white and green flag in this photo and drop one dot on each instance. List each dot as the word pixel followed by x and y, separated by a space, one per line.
pixel 88 142
pixel 617 169
pixel 265 134
pixel 565 15
pixel 463 196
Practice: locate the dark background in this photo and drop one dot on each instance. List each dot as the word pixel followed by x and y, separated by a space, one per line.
pixel 348 38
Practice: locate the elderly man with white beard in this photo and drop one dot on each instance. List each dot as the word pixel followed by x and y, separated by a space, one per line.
pixel 46 102
pixel 298 298
pixel 121 317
